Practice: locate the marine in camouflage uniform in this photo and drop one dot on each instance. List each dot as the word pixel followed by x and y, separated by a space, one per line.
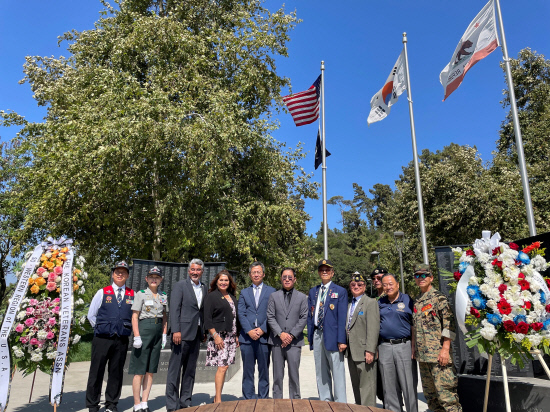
pixel 435 329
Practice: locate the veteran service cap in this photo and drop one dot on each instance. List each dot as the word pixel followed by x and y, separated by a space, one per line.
pixel 378 271
pixel 154 271
pixel 422 268
pixel 121 264
pixel 324 262
pixel 357 277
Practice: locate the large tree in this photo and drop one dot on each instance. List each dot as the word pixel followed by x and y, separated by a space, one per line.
pixel 157 142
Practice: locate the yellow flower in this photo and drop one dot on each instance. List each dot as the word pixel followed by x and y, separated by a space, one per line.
pixel 58 290
pixel 75 287
pixel 31 281
pixel 65 250
pixel 43 258
pixel 48 265
pixel 77 271
pixel 35 289
pixel 40 281
pixel 58 262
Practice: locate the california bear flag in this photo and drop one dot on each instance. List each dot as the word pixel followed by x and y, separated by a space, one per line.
pixel 477 42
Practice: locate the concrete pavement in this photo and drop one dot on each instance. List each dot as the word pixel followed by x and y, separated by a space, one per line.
pixel 77 376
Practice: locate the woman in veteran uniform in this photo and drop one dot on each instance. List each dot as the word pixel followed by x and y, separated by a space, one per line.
pixel 149 325
pixel 434 329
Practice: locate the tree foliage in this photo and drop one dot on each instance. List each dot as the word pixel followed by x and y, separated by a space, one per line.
pixel 157 142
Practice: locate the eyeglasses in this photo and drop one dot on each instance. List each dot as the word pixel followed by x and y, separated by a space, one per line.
pixel 287 277
pixel 325 270
pixel 378 278
pixel 353 284
pixel 421 275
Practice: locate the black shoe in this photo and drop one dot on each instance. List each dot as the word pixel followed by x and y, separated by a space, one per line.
pixel 146 410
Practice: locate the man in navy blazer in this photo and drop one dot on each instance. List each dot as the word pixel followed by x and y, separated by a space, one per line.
pixel 326 330
pixel 252 314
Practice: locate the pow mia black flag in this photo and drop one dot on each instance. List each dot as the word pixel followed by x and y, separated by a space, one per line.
pixel 318 156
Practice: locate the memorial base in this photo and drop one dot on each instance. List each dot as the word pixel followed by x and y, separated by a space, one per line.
pixel 526 394
pixel 204 374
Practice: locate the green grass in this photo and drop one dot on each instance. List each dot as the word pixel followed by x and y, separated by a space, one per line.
pixel 83 351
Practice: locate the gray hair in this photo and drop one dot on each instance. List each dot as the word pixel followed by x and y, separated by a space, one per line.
pixel 256 264
pixel 197 262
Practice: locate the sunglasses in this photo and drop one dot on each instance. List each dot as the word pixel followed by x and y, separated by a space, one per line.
pixel 287 277
pixel 421 275
pixel 353 284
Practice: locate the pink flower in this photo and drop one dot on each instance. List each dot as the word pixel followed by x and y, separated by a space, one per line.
pixel 19 328
pixel 33 302
pixel 51 277
pixel 56 300
pixel 55 310
pixel 34 341
pixel 41 343
pixel 51 335
pixel 24 340
pixel 40 270
pixel 29 321
pixel 30 311
pixel 52 321
pixel 58 270
pixel 51 286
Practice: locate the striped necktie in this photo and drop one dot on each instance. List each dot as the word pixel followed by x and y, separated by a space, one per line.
pixel 119 297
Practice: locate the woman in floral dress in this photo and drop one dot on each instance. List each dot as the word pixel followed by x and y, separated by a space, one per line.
pixel 220 319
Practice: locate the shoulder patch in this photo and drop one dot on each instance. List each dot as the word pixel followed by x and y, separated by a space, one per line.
pixel 142 291
pixel 164 293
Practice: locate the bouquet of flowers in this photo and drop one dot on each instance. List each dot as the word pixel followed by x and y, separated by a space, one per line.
pixel 507 297
pixel 34 338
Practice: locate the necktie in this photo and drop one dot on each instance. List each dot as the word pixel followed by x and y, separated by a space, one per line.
pixel 321 313
pixel 119 296
pixel 353 302
pixel 287 298
pixel 257 295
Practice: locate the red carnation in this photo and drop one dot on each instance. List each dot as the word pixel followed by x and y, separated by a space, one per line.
pixel 509 326
pixel 524 284
pixel 547 308
pixel 547 282
pixel 496 251
pixel 521 276
pixel 513 246
pixel 526 305
pixel 470 252
pixel 504 307
pixel 502 288
pixel 474 312
pixel 522 327
pixel 498 263
pixel 457 276
pixel 536 326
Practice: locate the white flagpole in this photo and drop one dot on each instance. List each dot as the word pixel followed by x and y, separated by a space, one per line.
pixel 517 131
pixel 415 158
pixel 324 166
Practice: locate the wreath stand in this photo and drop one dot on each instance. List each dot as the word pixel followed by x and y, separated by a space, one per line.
pixel 537 353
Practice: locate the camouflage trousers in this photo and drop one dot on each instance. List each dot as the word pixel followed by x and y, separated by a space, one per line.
pixel 440 387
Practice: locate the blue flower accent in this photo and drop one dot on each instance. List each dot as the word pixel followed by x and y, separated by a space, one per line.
pixel 472 290
pixel 494 319
pixel 542 297
pixel 520 318
pixel 479 302
pixel 524 258
pixel 462 267
pixel 546 324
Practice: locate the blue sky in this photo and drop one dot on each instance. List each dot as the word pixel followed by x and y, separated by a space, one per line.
pixel 359 42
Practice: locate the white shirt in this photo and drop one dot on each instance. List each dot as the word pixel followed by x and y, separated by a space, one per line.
pixel 198 294
pixel 98 299
pixel 327 287
pixel 259 287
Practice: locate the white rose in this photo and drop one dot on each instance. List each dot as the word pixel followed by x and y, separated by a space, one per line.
pixel 42 334
pixel 18 353
pixel 58 279
pixel 21 315
pixel 79 283
pixel 51 355
pixel 488 331
pixel 36 357
pixel 492 304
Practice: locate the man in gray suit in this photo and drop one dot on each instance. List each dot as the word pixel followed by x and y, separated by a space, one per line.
pixel 187 324
pixel 286 317
pixel 363 326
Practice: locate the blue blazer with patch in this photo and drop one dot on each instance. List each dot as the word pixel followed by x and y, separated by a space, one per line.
pixel 334 323
pixel 249 314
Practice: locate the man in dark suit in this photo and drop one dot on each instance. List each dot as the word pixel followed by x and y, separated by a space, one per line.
pixel 187 324
pixel 252 314
pixel 287 318
pixel 363 328
pixel 327 310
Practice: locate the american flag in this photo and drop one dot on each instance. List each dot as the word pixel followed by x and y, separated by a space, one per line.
pixel 304 106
